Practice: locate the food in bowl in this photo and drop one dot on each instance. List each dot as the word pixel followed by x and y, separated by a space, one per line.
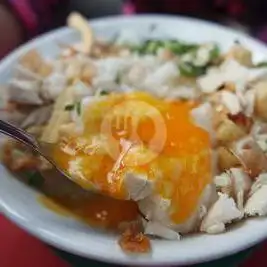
pixel 160 137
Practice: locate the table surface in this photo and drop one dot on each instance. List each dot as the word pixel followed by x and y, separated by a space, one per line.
pixel 18 249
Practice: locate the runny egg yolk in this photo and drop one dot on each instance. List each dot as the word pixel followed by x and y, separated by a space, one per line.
pixel 139 133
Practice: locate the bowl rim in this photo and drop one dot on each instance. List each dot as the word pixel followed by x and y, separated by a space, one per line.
pixel 58 243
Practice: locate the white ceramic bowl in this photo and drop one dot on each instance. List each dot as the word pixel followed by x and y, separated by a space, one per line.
pixel 20 204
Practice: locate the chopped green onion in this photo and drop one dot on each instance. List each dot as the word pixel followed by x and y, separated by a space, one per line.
pixel 187 69
pixel 138 49
pixel 172 45
pixel 103 92
pixel 152 46
pixel 262 64
pixel 180 48
pixel 69 107
pixel 35 179
pixel 215 53
pixel 148 47
pixel 79 108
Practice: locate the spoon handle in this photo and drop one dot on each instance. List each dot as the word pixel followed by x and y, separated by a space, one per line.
pixel 18 134
pixel 44 149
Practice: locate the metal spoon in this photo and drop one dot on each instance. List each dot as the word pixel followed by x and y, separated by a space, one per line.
pixel 22 136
